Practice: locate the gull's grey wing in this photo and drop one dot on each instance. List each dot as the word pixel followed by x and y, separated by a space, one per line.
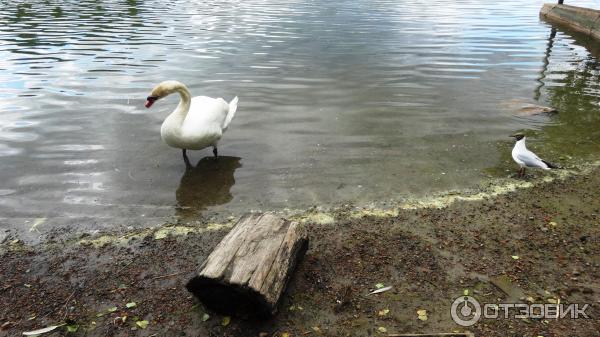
pixel 531 159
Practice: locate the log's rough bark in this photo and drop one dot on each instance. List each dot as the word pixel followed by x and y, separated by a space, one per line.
pixel 247 272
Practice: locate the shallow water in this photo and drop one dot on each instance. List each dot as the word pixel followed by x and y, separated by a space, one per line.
pixel 340 101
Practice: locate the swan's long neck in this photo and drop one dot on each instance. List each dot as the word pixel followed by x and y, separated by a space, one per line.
pixel 184 103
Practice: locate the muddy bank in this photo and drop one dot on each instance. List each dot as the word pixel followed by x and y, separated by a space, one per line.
pixel 536 244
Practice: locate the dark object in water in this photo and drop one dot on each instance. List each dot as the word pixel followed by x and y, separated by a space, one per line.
pixel 531 110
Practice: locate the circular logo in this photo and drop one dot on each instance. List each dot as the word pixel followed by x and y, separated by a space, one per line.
pixel 465 311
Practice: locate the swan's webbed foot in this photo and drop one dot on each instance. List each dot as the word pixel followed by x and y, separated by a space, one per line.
pixel 186 159
pixel 215 152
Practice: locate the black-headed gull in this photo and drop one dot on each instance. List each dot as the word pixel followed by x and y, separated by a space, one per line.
pixel 526 158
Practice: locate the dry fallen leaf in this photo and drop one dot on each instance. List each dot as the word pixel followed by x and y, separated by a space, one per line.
pixel 40 331
pixel 142 324
pixel 72 328
pixel 380 290
pixel 422 314
pixel 383 312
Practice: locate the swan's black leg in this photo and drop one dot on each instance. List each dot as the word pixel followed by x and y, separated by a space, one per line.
pixel 215 152
pixel 186 159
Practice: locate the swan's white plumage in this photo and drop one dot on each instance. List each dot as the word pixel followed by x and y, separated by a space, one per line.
pixel 197 122
pixel 231 113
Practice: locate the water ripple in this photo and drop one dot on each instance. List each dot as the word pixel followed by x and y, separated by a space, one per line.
pixel 332 93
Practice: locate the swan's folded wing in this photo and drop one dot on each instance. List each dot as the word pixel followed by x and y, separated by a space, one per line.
pixel 207 111
pixel 232 108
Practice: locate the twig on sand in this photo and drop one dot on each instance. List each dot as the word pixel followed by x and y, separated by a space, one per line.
pixel 65 306
pixel 463 334
pixel 590 286
pixel 167 276
pixel 123 267
pixel 433 284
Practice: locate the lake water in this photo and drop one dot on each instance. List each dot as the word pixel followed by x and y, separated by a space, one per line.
pixel 340 101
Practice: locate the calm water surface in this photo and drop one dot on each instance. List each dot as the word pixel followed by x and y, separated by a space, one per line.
pixel 340 101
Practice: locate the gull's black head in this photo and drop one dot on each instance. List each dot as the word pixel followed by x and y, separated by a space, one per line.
pixel 518 136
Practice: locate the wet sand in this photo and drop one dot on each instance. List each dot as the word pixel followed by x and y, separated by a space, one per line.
pixel 536 244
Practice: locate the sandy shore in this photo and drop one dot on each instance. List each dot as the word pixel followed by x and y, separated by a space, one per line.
pixel 538 244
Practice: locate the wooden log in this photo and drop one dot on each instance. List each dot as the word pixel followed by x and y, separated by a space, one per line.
pixel 247 272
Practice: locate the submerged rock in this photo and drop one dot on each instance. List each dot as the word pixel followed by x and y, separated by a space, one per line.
pixel 530 110
pixel 523 107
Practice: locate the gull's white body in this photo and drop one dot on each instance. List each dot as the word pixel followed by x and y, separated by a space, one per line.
pixel 526 158
pixel 197 122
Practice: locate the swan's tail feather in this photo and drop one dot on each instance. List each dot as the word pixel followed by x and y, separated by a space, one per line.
pixel 231 113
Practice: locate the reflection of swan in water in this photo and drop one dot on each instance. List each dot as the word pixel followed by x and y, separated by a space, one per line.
pixel 207 184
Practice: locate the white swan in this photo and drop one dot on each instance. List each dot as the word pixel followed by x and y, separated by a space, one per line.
pixel 197 122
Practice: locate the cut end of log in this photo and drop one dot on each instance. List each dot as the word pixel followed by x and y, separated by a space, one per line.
pixel 229 299
pixel 247 272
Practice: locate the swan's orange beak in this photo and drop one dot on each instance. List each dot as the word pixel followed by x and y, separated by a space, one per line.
pixel 150 100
